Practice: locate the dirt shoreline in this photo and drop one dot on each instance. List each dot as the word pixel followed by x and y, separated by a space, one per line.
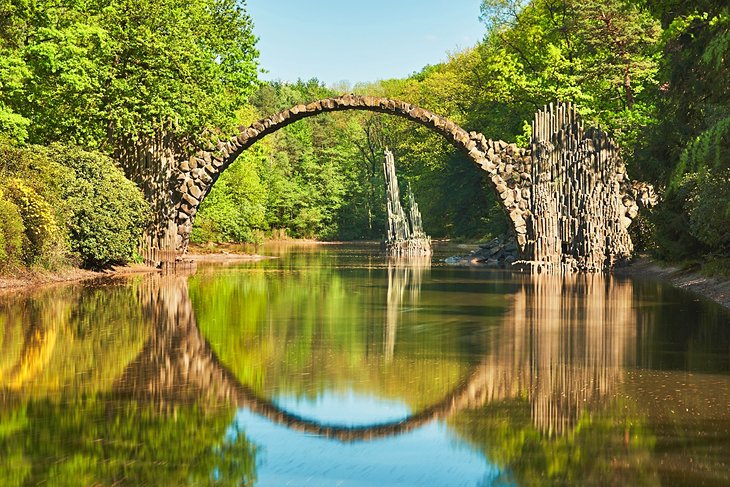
pixel 27 279
pixel 34 278
pixel 713 288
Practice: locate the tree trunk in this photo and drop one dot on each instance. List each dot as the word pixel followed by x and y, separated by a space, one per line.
pixel 627 86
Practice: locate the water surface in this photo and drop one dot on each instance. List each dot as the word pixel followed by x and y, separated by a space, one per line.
pixel 332 366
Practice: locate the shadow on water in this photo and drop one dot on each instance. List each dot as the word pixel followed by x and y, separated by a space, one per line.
pixel 580 380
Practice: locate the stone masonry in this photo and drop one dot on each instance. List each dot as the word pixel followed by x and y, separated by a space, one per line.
pixel 530 182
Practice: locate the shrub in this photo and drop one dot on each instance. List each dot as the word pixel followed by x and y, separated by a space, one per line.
pixel 62 199
pixel 709 211
pixel 42 232
pixel 107 212
pixel 12 125
pixel 30 181
pixel 12 233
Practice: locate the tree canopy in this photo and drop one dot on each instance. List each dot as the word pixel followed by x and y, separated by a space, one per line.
pixel 90 72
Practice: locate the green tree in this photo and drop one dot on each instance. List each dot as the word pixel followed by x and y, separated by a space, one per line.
pixel 601 55
pixel 235 209
pixel 688 150
pixel 90 73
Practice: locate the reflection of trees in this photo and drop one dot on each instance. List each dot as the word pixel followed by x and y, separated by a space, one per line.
pixel 99 441
pixel 612 445
pixel 59 421
pixel 51 339
pixel 403 273
pixel 298 333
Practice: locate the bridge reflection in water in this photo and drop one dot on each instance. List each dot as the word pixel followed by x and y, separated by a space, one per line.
pixel 588 371
pixel 563 345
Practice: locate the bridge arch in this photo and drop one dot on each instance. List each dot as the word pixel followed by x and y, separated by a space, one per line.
pixel 506 165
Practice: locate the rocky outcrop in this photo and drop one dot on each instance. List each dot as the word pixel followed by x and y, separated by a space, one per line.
pixel 405 235
pixel 582 199
pixel 499 253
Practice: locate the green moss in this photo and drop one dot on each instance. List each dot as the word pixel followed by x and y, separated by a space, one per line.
pixel 717 267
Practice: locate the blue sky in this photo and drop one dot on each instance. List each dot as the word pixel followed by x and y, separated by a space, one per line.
pixel 359 41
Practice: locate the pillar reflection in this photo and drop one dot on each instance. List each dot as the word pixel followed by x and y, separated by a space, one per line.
pixel 176 363
pixel 564 346
pixel 404 274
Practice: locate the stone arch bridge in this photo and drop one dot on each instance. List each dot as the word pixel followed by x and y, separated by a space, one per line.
pixel 567 195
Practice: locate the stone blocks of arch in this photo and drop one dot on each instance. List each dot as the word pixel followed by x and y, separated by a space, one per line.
pixel 198 174
pixel 529 181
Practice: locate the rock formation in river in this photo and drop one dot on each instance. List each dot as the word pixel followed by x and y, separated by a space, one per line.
pixel 405 237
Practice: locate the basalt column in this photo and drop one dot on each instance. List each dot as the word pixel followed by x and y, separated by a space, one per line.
pixel 582 202
pixel 151 162
pixel 406 237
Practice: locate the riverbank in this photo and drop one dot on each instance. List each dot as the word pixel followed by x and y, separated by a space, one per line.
pixel 197 254
pixel 500 254
pixel 713 288
pixel 33 278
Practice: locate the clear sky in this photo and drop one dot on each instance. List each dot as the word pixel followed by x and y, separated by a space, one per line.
pixel 359 40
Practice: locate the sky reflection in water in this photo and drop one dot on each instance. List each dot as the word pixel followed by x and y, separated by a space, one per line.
pixel 430 455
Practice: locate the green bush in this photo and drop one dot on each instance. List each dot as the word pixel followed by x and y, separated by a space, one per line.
pixel 709 211
pixel 61 203
pixel 12 232
pixel 693 221
pixel 12 125
pixel 29 180
pixel 42 232
pixel 670 220
pixel 106 212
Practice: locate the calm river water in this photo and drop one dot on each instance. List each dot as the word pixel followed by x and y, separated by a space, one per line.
pixel 329 366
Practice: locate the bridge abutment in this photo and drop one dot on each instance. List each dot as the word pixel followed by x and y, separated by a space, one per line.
pixel 152 163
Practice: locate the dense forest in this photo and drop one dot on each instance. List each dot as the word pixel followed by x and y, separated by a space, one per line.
pixel 78 80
